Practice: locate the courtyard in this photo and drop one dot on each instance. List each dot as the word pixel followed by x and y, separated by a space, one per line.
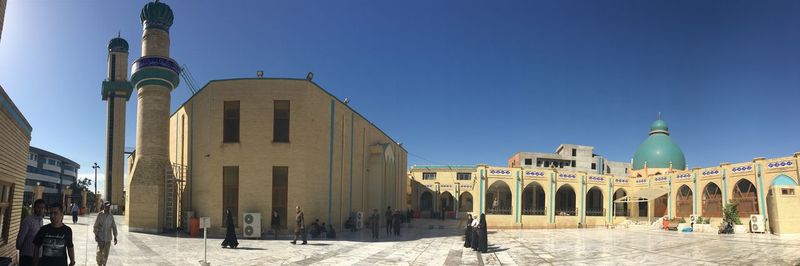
pixel 435 242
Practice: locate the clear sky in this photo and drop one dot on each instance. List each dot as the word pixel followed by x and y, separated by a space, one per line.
pixel 457 82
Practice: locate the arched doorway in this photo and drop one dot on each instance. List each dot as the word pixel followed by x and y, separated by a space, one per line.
pixel 447 202
pixel 533 199
pixel 426 201
pixel 683 202
pixel 620 209
pixel 660 206
pixel 643 208
pixel 594 202
pixel 465 202
pixel 565 201
pixel 712 201
pixel 498 199
pixel 745 194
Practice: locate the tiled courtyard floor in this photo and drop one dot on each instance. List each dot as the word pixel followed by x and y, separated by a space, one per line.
pixel 428 244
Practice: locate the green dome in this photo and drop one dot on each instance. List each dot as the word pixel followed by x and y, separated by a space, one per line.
pixel 156 15
pixel 658 150
pixel 118 45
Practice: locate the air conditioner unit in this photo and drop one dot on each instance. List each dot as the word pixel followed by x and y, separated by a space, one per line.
pixel 252 225
pixel 359 220
pixel 757 223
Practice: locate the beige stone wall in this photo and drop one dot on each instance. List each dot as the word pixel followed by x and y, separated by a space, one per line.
pixel 14 145
pixel 726 176
pixel 378 164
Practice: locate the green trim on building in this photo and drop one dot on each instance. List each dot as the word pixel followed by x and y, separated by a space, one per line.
pixel 155 76
pixel 118 87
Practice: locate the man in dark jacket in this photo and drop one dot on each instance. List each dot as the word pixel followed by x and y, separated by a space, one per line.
pixel 375 223
pixel 276 223
pixel 299 226
pixel 396 220
pixel 388 215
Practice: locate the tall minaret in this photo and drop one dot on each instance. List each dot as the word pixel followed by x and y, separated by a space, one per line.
pixel 155 75
pixel 117 91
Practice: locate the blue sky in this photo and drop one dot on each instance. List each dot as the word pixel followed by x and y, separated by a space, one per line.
pixel 467 81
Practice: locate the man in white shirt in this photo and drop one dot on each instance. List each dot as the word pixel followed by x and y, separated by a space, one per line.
pixel 104 225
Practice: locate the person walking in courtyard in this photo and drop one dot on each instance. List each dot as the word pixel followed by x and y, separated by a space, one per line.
pixel 374 223
pixel 444 212
pixel 396 220
pixel 468 232
pixel 388 216
pixel 475 234
pixel 299 226
pixel 53 242
pixel 276 223
pixel 27 231
pixel 104 226
pixel 74 210
pixel 230 235
pixel 484 235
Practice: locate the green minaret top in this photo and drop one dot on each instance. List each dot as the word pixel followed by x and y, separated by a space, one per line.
pixel 118 45
pixel 658 150
pixel 156 15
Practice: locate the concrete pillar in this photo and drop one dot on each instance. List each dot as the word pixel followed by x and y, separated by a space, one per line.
pixel 84 198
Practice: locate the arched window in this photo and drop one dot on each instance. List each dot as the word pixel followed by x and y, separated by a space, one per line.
pixel 565 201
pixel 620 209
pixel 426 201
pixel 683 202
pixel 712 201
pixel 533 199
pixel 745 194
pixel 594 202
pixel 465 200
pixel 498 199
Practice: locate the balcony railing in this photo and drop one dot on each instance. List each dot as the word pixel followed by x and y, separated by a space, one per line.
pixel 595 212
pixel 500 211
pixel 534 211
pixel 566 212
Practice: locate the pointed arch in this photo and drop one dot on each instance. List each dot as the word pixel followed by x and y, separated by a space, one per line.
pixel 565 201
pixel 533 197
pixel 783 180
pixel 594 202
pixel 684 202
pixel 498 198
pixel 712 200
pixel 426 201
pixel 465 200
pixel 744 193
pixel 620 208
pixel 447 202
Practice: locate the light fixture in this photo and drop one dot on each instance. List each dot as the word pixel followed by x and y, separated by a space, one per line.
pixel 260 73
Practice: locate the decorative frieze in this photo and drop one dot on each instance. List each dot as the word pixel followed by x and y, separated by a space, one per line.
pixel 641 181
pixel 742 169
pixel 780 164
pixel 499 172
pixel 566 176
pixel 534 174
pixel 683 176
pixel 620 181
pixel 710 172
pixel 661 179
pixel 597 179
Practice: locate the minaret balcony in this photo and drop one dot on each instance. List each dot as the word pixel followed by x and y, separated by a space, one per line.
pixel 155 70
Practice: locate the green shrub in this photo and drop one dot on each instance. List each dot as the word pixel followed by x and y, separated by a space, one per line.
pixel 682 220
pixel 731 213
pixel 699 220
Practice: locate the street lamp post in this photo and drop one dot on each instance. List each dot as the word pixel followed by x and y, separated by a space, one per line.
pixel 95 166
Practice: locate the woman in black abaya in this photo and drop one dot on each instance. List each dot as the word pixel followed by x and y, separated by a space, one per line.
pixel 474 237
pixel 230 236
pixel 482 232
pixel 468 233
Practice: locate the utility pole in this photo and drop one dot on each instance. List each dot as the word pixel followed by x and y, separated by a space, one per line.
pixel 95 166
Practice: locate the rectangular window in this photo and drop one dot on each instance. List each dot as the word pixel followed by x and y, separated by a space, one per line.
pixel 573 163
pixel 230 193
pixel 230 127
pixel 464 176
pixel 787 191
pixel 280 122
pixel 594 166
pixel 546 163
pixel 280 192
pixel 528 161
pixel 428 176
pixel 626 170
pixel 574 152
pixel 608 170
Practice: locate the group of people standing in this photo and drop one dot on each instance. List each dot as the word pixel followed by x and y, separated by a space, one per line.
pixel 51 244
pixel 393 219
pixel 476 235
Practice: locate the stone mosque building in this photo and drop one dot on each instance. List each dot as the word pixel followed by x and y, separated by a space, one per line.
pixel 249 145
pixel 658 184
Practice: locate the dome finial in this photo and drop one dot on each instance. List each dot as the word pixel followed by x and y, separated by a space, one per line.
pixel 119 33
pixel 659 116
